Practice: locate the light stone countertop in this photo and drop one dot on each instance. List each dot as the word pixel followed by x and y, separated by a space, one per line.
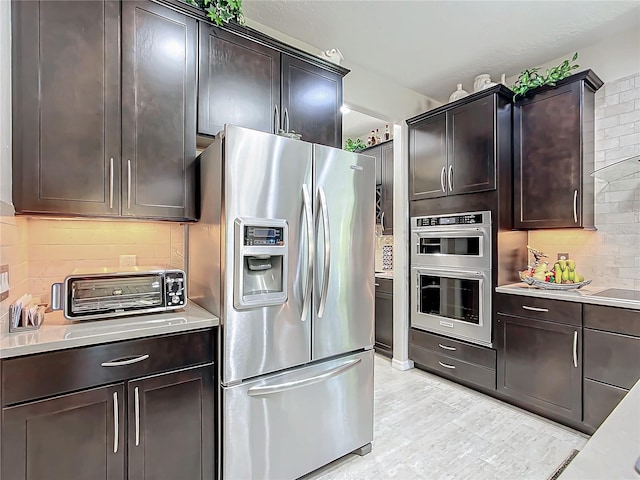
pixel 587 294
pixel 58 333
pixel 613 449
pixel 387 274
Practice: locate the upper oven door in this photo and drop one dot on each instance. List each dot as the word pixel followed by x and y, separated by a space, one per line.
pixel 458 247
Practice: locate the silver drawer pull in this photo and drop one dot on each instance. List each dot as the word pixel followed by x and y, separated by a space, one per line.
pixel 447 366
pixel 377 284
pixel 447 347
pixel 535 309
pixel 119 363
pixel 116 422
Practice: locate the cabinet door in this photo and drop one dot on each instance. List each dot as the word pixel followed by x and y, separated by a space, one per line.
pixel 387 188
pixel 384 323
pixel 311 100
pixel 428 158
pixel 536 364
pixel 171 426
pixel 471 148
pixel 548 159
pixel 66 107
pixel 80 435
pixel 239 83
pixel 158 114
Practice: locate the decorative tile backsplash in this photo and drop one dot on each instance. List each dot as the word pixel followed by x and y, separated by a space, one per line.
pixel 609 256
pixel 42 251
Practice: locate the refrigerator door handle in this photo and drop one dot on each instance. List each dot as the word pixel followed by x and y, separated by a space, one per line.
pixel 327 251
pixel 283 387
pixel 306 198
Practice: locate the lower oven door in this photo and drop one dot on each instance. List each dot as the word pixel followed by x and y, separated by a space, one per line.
pixel 452 302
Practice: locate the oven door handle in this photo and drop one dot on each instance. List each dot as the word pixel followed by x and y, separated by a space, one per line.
pixel 454 273
pixel 458 232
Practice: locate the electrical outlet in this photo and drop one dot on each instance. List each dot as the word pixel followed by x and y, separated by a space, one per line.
pixel 563 256
pixel 4 282
pixel 127 260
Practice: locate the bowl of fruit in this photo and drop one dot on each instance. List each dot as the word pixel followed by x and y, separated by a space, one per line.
pixel 561 276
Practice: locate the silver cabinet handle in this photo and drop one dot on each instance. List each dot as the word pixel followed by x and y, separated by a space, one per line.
pixel 575 206
pixel 377 284
pixel 382 221
pixel 447 366
pixel 128 184
pixel 111 182
pixel 446 347
pixel 327 251
pixel 450 178
pixel 575 349
pixel 120 363
pixel 283 387
pixel 136 407
pixel 116 422
pixel 306 198
pixel 286 120
pixel 277 119
pixel 535 309
pixel 442 175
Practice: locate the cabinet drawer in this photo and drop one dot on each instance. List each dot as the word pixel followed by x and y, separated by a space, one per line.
pixel 611 358
pixel 481 356
pixel 540 308
pixel 54 373
pixel 384 285
pixel 599 401
pixel 453 367
pixel 619 320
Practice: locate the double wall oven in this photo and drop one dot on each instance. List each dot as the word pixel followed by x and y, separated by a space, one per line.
pixel 451 275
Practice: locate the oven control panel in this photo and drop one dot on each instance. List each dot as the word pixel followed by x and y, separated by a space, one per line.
pixel 465 219
pixel 175 289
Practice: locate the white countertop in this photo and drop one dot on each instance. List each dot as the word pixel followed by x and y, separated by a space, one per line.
pixel 387 274
pixel 612 451
pixel 586 294
pixel 58 333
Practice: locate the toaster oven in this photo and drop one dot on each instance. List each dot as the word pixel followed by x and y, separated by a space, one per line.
pixel 88 295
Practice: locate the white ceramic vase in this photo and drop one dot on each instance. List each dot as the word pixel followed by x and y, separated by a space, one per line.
pixel 458 94
pixel 480 81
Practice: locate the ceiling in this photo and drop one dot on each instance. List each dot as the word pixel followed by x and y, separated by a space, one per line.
pixel 430 46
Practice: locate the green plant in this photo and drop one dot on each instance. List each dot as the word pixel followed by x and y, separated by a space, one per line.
pixel 220 11
pixel 354 146
pixel 530 78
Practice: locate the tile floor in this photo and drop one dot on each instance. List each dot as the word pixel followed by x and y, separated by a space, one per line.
pixel 427 428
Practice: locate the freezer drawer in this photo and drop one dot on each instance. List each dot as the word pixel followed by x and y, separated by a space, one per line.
pixel 289 424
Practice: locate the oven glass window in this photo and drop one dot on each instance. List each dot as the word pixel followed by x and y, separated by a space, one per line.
pixel 454 298
pixel 450 246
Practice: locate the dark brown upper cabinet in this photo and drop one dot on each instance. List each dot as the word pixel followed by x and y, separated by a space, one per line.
pixel 453 148
pixel 100 127
pixel 554 155
pixel 249 80
pixel 383 153
pixel 239 82
pixel 158 111
pixel 66 107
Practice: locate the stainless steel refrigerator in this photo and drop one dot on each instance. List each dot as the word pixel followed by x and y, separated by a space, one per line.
pixel 283 254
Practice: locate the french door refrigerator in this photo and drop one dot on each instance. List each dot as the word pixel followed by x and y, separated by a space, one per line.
pixel 283 254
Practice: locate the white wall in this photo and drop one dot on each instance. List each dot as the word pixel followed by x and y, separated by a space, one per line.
pixel 5 103
pixel 611 58
pixel 363 90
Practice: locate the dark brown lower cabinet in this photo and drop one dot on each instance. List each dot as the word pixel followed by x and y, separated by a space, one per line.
pixel 171 426
pixel 599 401
pixel 79 435
pixel 540 365
pixel 384 317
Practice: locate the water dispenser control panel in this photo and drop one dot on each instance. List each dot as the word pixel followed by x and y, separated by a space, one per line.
pixel 266 236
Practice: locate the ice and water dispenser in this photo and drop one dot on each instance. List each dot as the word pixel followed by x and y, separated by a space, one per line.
pixel 261 261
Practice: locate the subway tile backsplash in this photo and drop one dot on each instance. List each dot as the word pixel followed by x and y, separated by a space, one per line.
pixel 610 256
